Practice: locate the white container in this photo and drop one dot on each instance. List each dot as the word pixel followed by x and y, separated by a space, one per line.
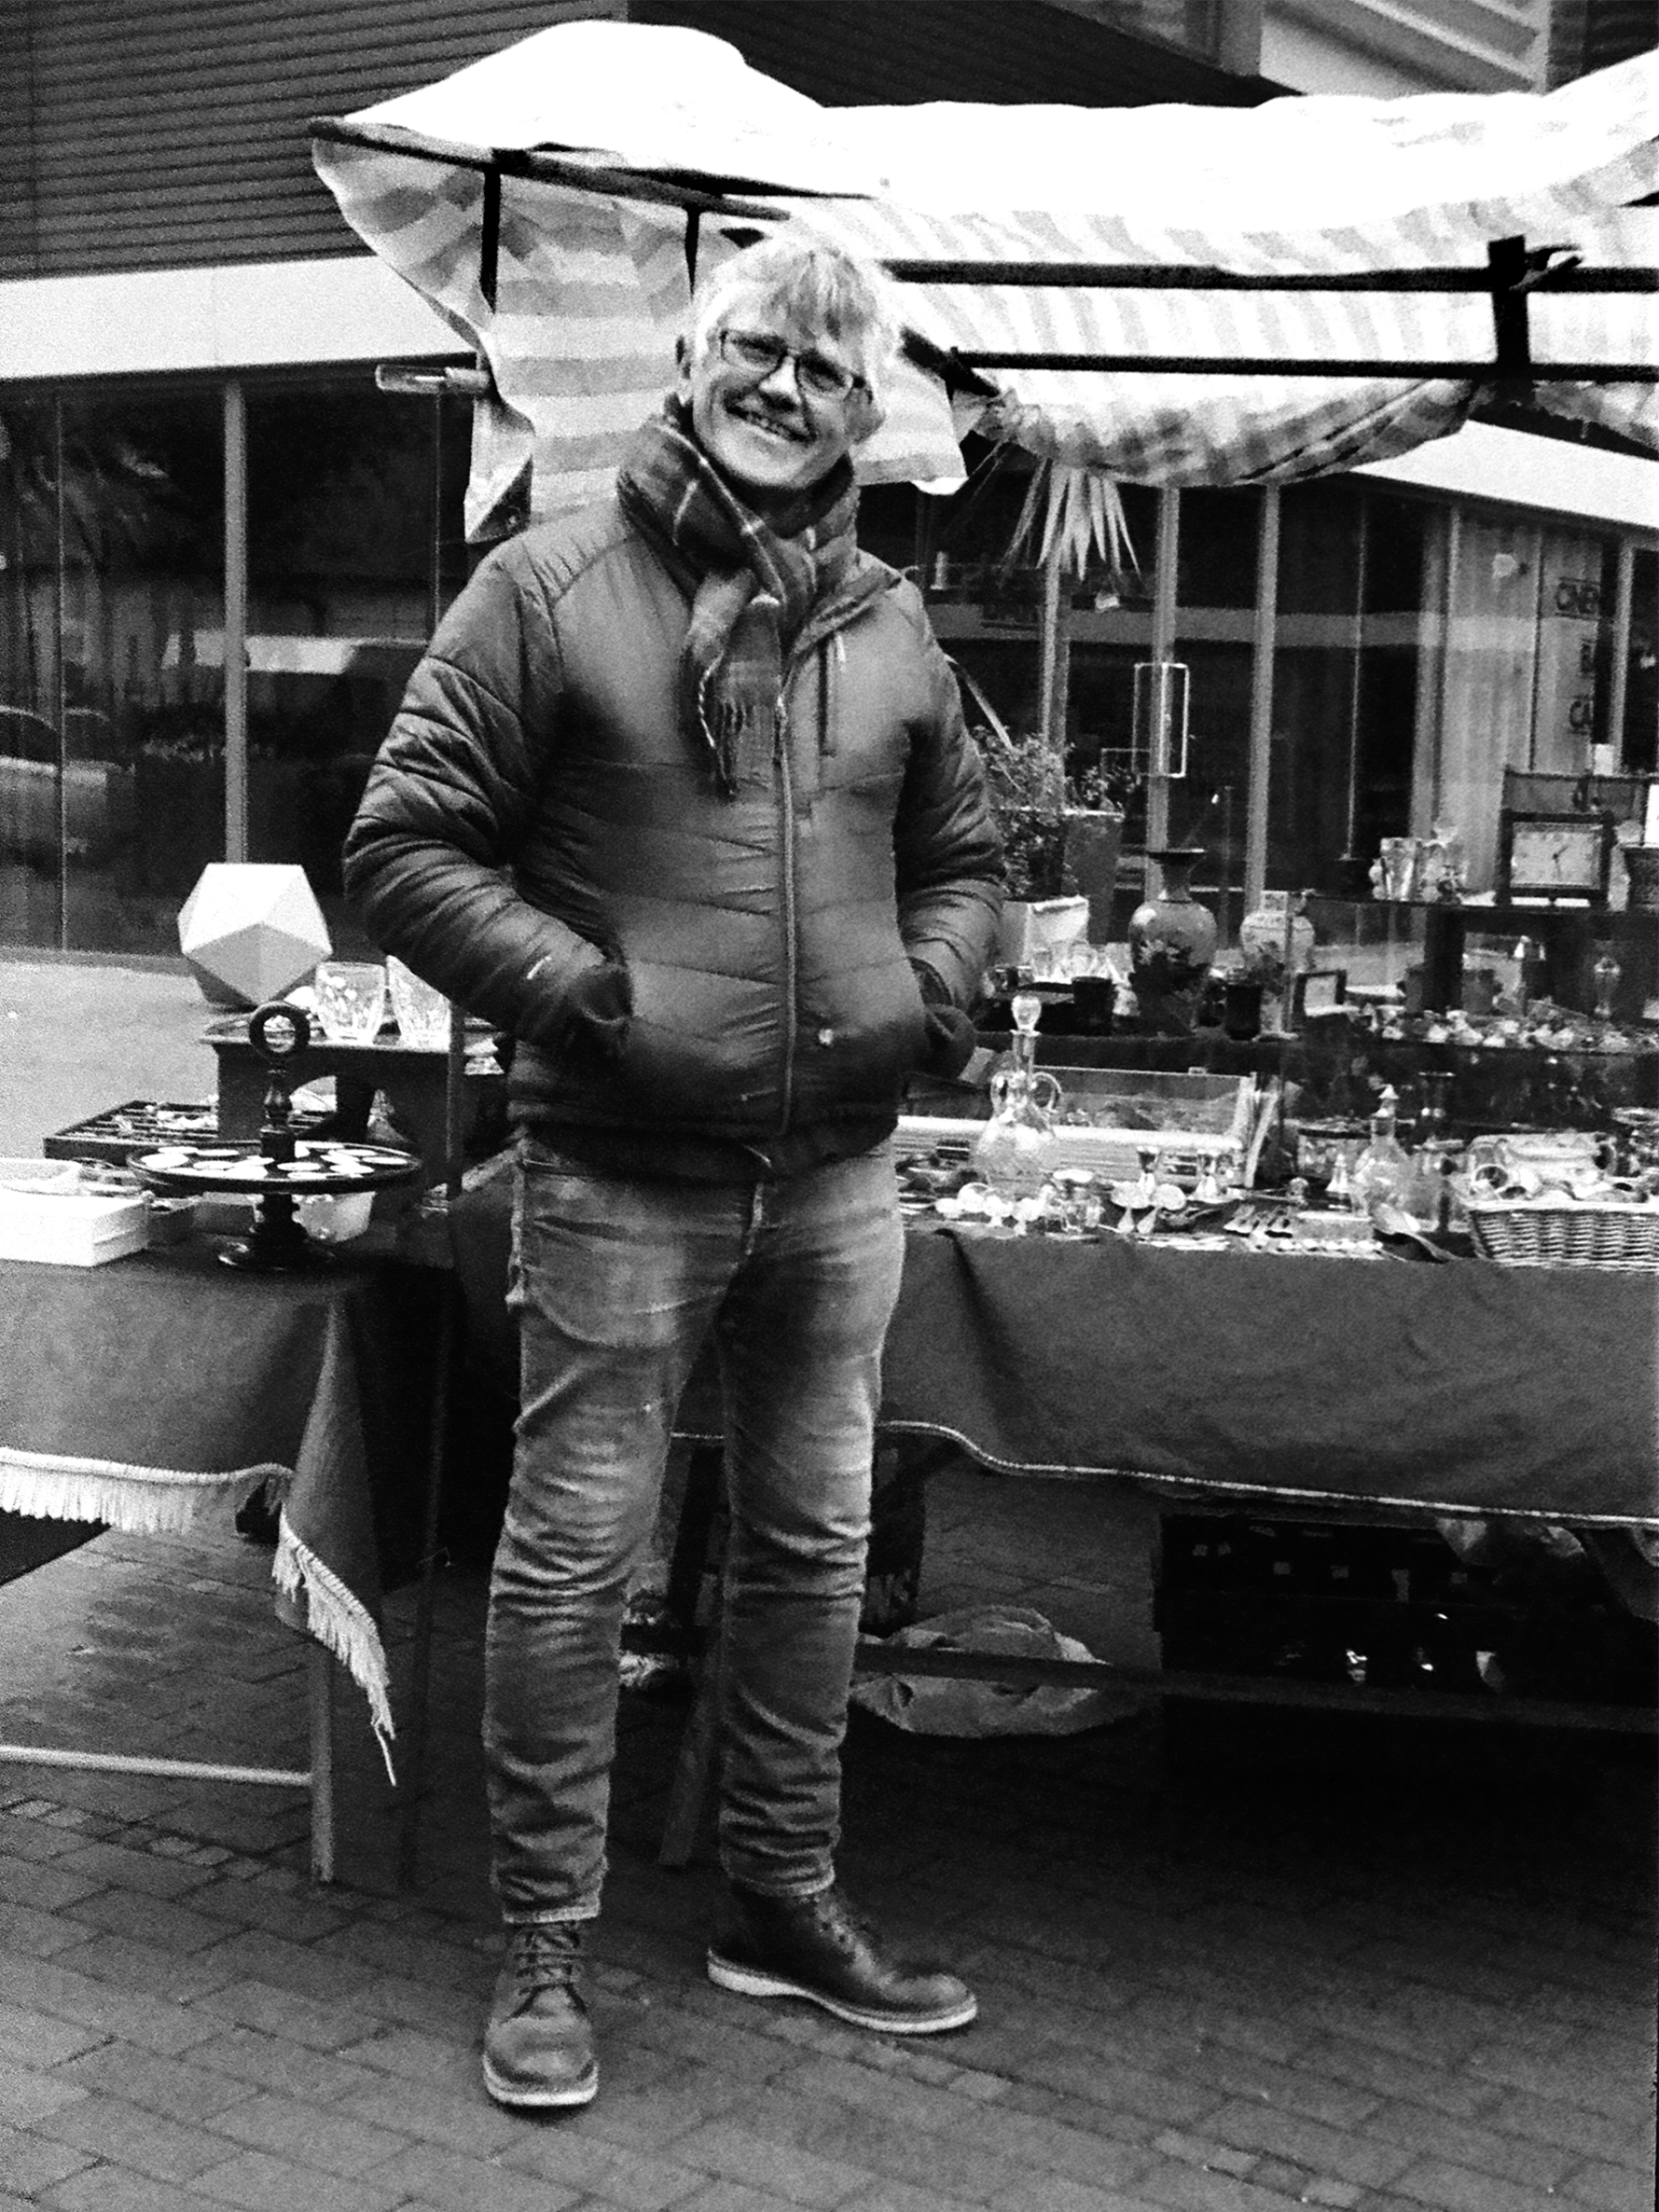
pixel 1039 933
pixel 45 1214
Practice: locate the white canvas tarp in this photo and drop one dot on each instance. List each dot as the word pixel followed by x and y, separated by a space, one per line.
pixel 623 123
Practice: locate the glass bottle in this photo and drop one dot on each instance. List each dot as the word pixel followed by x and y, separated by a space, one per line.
pixel 1016 1153
pixel 1383 1170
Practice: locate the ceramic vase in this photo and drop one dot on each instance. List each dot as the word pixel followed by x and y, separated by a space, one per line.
pixel 1171 944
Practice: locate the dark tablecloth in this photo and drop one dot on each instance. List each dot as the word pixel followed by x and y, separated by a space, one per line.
pixel 1471 1388
pixel 133 1394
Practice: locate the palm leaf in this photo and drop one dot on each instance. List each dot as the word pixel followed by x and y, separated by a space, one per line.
pixel 1077 513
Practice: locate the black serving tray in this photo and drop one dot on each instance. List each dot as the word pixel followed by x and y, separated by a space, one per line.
pixel 145 1125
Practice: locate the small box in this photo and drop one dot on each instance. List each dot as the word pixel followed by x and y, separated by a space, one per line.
pixel 46 1214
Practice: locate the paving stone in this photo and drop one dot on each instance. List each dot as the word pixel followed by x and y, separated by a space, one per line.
pixel 252 1903
pixel 1457 2188
pixel 133 1965
pixel 411 2056
pixel 1204 2150
pixel 888 2145
pixel 256 1955
pixel 253 2003
pixel 149 1919
pixel 168 2150
pixel 448 2182
pixel 27 2097
pixel 797 2176
pixel 35 2038
pixel 29 2164
pixel 125 1866
pixel 1185 2188
pixel 26 1933
pixel 464 2121
pixel 23 1837
pixel 114 2188
pixel 634 2180
pixel 452 2014
pixel 1380 2074
pixel 1610 2188
pixel 181 2088
pixel 1301 2088
pixel 1527 2163
pixel 1611 2078
pixel 1624 2142
pixel 333 2138
pixel 274 2063
pixel 1344 2156
pixel 902 2196
pixel 254 2181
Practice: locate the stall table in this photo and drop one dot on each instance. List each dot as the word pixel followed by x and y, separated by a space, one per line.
pixel 1274 1383
pixel 133 1393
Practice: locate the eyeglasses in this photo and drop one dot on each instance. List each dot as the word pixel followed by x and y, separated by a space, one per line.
pixel 760 355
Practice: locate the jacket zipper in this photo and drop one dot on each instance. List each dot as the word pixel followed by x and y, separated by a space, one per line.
pixel 787 823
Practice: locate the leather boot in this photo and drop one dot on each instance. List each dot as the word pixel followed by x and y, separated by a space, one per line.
pixel 815 1947
pixel 538 2044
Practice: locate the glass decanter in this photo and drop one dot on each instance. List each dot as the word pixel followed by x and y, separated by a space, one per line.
pixel 1383 1170
pixel 1016 1153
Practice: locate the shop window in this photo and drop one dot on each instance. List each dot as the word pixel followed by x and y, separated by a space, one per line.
pixel 1350 640
pixel 1526 680
pixel 114 570
pixel 354 547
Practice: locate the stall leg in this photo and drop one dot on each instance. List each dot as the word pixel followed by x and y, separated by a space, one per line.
pixel 321 1691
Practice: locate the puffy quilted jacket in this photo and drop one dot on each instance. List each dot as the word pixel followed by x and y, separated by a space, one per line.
pixel 536 808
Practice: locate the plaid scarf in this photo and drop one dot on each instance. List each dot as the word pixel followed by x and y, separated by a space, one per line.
pixel 752 584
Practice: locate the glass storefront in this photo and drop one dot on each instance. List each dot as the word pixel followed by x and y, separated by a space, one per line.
pixel 113 565
pixel 1421 647
pixel 116 723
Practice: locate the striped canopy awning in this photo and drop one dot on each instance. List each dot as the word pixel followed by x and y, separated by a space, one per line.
pixel 1136 290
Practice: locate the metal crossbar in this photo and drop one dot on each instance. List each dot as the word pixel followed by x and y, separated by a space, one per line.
pixel 1159 277
pixel 1222 364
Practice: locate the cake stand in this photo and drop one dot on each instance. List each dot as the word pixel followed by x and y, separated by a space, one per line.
pixel 281 1169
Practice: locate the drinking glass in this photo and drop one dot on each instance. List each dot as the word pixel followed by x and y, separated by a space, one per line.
pixel 422 1012
pixel 351 1000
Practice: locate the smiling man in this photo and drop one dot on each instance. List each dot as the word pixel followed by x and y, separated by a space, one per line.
pixel 681 797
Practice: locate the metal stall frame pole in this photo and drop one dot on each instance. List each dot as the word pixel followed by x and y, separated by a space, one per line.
pixel 1357 678
pixel 1618 673
pixel 236 621
pixel 1164 612
pixel 1052 648
pixel 59 674
pixel 1263 648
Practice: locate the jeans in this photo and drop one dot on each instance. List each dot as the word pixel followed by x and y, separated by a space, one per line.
pixel 617 1282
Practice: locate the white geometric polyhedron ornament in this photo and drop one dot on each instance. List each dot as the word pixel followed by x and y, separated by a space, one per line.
pixel 251 930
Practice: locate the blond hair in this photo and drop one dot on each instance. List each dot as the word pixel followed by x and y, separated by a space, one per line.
pixel 814 285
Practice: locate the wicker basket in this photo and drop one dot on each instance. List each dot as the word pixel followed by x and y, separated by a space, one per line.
pixel 1535 1233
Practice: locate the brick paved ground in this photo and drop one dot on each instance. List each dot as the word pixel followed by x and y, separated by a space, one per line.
pixel 1223 1976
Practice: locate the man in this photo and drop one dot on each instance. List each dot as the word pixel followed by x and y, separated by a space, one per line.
pixel 681 797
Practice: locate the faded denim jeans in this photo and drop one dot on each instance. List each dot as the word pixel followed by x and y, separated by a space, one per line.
pixel 617 1283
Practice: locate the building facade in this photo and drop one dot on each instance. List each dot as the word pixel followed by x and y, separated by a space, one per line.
pixel 193 447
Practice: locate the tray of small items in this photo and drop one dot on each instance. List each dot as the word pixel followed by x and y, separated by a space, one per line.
pixel 145 1125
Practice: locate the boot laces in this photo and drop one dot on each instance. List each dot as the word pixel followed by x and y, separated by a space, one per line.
pixel 544 1957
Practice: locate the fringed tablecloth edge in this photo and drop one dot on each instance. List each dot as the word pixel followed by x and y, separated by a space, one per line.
pixel 340 1621
pixel 54 1485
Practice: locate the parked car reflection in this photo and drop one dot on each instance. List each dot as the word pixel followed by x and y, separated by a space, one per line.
pixel 50 803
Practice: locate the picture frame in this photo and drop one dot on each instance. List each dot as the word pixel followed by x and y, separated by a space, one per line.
pixel 1553 856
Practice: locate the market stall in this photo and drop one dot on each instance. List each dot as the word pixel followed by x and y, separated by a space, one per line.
pixel 555 203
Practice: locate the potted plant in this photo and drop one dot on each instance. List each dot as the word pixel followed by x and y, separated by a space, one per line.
pixel 1060 836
